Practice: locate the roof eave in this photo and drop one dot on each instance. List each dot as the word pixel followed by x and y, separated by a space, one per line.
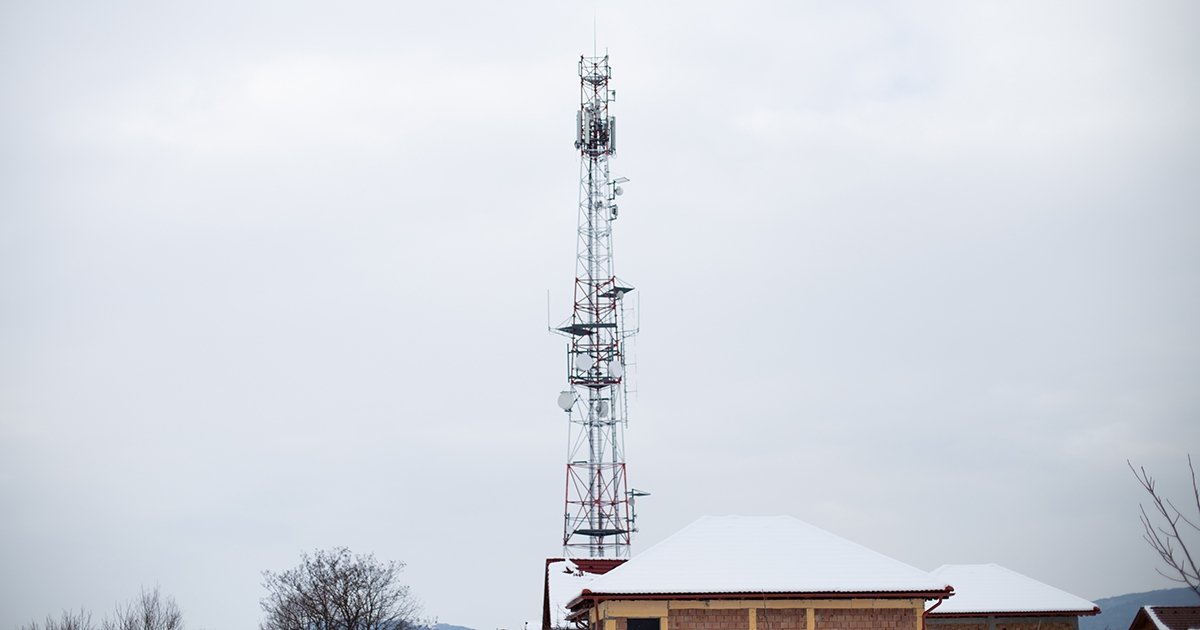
pixel 588 595
pixel 1019 613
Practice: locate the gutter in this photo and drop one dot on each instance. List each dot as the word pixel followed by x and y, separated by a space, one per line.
pixel 546 594
pixel 595 598
pixel 923 613
pixel 1022 613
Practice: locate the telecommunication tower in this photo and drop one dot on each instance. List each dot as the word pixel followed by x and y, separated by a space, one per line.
pixel 598 519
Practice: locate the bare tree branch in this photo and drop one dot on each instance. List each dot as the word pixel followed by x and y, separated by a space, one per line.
pixel 81 620
pixel 1163 532
pixel 148 611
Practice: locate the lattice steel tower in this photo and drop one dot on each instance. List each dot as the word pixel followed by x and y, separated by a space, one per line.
pixel 598 519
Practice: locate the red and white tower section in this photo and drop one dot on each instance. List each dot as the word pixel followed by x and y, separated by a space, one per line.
pixel 598 520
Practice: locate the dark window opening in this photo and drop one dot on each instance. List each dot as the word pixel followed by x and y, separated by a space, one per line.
pixel 643 624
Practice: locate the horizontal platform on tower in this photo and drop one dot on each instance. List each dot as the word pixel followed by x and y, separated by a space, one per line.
pixel 595 383
pixel 585 329
pixel 616 292
pixel 597 533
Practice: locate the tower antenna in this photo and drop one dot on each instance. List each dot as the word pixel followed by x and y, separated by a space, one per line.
pixel 598 519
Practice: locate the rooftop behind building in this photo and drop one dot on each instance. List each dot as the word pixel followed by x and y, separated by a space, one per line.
pixel 990 589
pixel 1167 618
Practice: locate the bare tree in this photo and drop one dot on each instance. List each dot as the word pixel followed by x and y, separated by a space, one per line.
pixel 149 611
pixel 81 620
pixel 337 590
pixel 1167 535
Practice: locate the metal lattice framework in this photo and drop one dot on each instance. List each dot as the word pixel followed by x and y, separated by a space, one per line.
pixel 598 519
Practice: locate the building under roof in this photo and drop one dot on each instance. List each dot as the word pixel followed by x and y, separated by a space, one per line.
pixel 991 597
pixel 754 573
pixel 1167 618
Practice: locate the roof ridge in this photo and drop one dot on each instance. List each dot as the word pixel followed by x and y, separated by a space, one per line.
pixel 1154 617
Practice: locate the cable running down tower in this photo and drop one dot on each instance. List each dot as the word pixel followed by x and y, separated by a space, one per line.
pixel 598 519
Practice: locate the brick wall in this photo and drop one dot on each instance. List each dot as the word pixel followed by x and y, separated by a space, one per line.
pixel 866 619
pixel 1001 623
pixel 790 619
pixel 708 619
pixel 797 619
pixel 1056 625
pixel 946 624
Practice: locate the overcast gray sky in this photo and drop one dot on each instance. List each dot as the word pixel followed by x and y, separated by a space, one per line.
pixel 273 278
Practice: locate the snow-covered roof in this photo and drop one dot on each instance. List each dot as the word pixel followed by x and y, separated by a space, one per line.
pixel 1171 617
pixel 566 581
pixel 761 554
pixel 990 588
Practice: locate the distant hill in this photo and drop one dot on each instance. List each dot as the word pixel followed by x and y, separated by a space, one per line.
pixel 446 626
pixel 1116 613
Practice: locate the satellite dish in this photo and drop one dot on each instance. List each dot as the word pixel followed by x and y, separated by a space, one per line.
pixel 618 191
pixel 584 362
pixel 602 408
pixel 615 370
pixel 566 399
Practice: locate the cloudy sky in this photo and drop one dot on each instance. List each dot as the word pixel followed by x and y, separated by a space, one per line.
pixel 273 278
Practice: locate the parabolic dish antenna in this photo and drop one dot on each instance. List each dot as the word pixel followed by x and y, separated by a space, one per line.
pixel 584 362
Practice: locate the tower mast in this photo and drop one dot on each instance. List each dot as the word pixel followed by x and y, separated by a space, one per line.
pixel 597 518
